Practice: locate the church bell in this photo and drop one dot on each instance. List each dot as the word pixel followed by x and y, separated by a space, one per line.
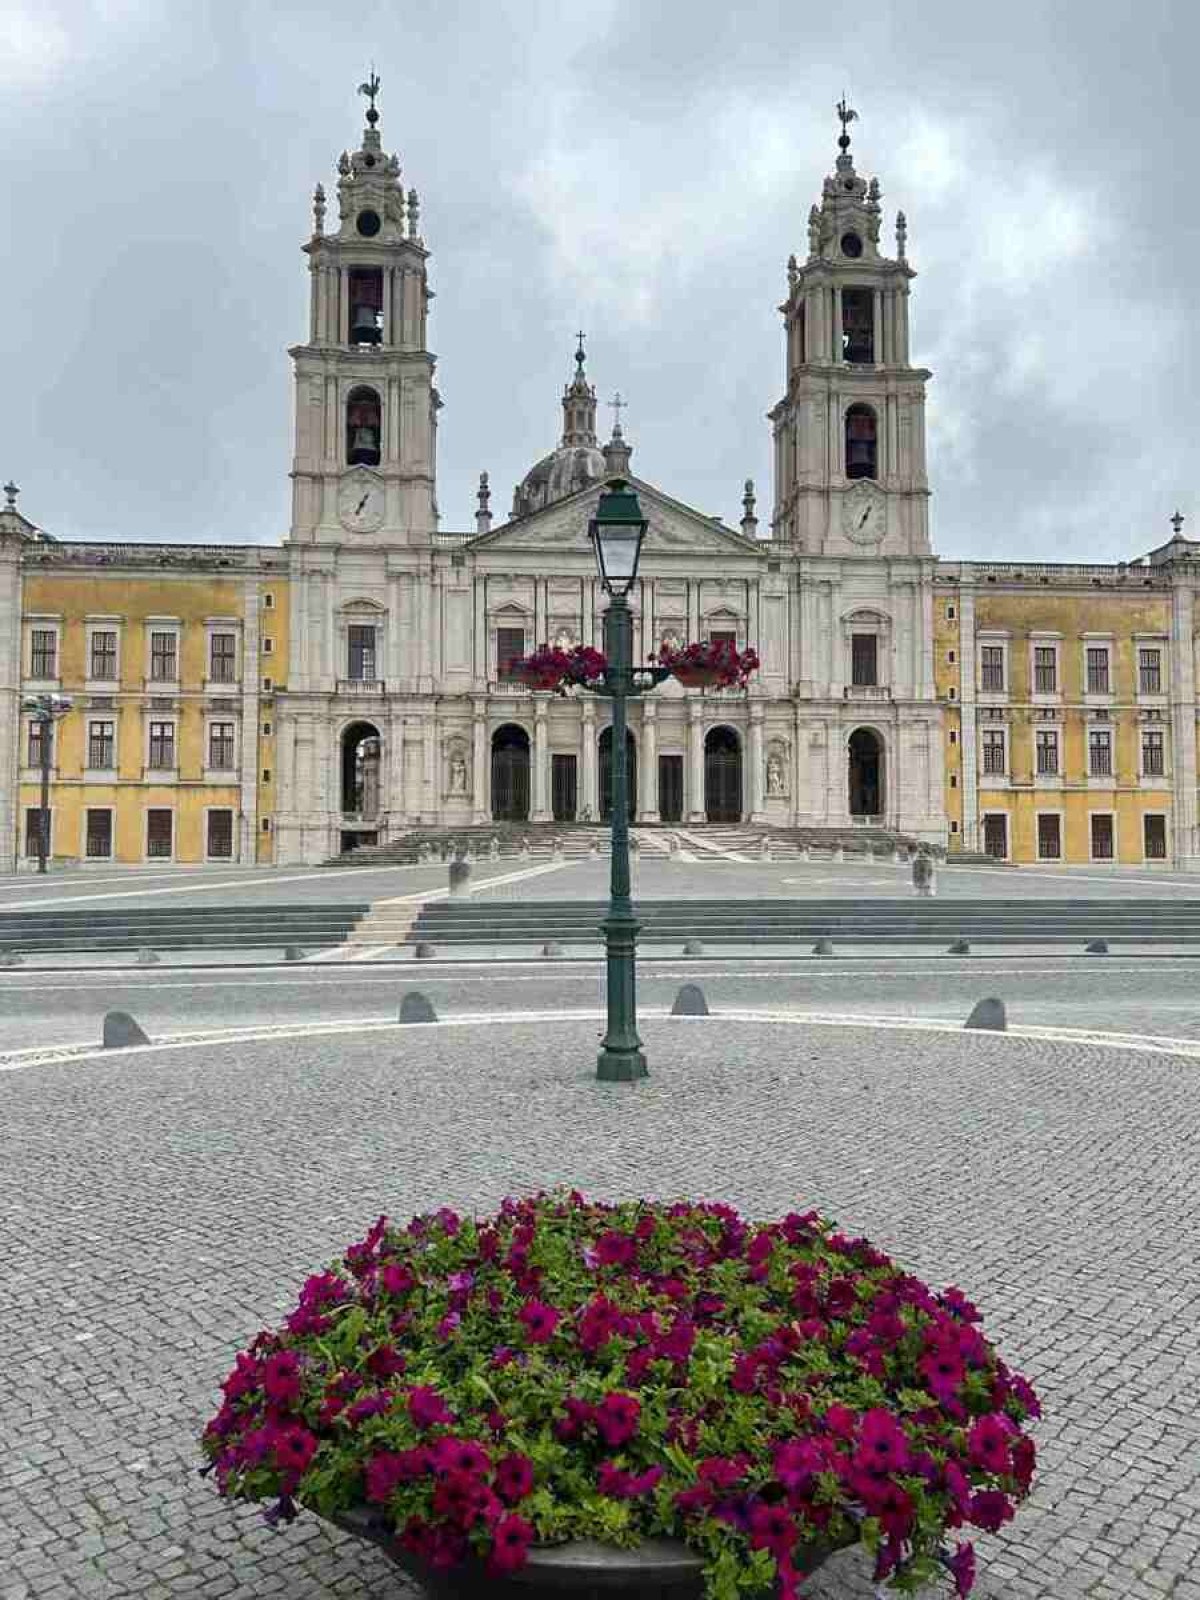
pixel 364 447
pixel 365 326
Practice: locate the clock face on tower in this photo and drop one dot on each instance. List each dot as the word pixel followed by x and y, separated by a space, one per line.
pixel 864 513
pixel 360 502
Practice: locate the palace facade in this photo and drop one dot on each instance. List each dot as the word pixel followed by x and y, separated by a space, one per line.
pixel 277 704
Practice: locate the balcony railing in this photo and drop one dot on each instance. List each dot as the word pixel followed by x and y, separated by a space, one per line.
pixel 867 691
pixel 367 687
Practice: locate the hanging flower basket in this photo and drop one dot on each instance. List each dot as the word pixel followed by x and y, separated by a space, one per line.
pixel 490 1399
pixel 715 664
pixel 550 668
pixel 696 677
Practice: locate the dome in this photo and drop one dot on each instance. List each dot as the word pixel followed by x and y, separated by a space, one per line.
pixel 563 472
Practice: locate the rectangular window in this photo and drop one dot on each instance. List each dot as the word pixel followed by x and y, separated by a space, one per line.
pixel 995 835
pixel 1049 836
pixel 37 732
pixel 222 657
pixel 1047 752
pixel 724 636
pixel 102 746
pixel 1097 669
pixel 510 647
pixel 1045 669
pixel 268 646
pixel 219 843
pixel 1150 671
pixel 160 827
pixel 1154 837
pixel 98 838
pixel 991 668
pixel 1100 753
pixel 33 831
pixel 1152 753
pixel 164 658
pixel 103 664
pixel 1102 836
pixel 220 745
pixel 162 746
pixel 43 653
pixel 361 645
pixel 993 750
pixel 864 664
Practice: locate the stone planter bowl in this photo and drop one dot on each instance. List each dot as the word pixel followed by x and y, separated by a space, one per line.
pixel 658 1569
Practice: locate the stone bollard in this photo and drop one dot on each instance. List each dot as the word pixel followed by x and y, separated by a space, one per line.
pixel 839 854
pixel 693 947
pixel 293 952
pixel 494 849
pixel 415 1007
pixel 869 856
pixel 552 948
pixel 460 877
pixel 898 857
pixel 989 1013
pixel 147 958
pixel 764 849
pixel 1097 947
pixel 424 951
pixel 635 845
pixel 922 875
pixel 523 852
pixel 690 1002
pixel 11 958
pixel 594 851
pixel 121 1030
pixel 823 947
pixel 804 853
pixel 557 853
pixel 960 947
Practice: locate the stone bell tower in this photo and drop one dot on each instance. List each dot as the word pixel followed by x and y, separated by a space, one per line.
pixel 366 409
pixel 850 430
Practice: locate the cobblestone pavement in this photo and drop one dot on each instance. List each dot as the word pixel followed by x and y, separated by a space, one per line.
pixel 157 1208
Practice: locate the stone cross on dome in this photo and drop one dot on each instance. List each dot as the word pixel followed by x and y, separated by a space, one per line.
pixel 617 405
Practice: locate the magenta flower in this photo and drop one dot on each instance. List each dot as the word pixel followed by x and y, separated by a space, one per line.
pixel 514 1478
pixel 397 1279
pixel 511 1538
pixel 990 1510
pixel 539 1321
pixel 615 1249
pixel 796 1462
pixel 962 1569
pixel 281 1378
pixel 617 1417
pixel 621 1485
pixel 772 1529
pixel 882 1442
pixel 459 1455
pixel 385 1362
pixel 426 1406
pixel 389 1468
pixel 988 1442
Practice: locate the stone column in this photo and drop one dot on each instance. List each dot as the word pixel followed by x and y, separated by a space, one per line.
pixel 589 799
pixel 648 751
pixel 541 763
pixel 877 354
pixel 479 763
pixel 694 798
pixel 966 735
pixel 757 811
pixel 395 803
pixel 836 330
pixel 800 765
pixel 430 803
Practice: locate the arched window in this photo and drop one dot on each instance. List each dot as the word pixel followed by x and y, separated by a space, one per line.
pixel 363 427
pixel 860 443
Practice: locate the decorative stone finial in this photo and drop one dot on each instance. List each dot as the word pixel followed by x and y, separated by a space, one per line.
pixel 371 89
pixel 814 232
pixel 845 117
pixel 617 452
pixel 1176 520
pixel 793 271
pixel 319 210
pixel 617 405
pixel 11 492
pixel 344 163
pixel 414 216
pixel 901 235
pixel 483 516
pixel 749 520
pixel 579 353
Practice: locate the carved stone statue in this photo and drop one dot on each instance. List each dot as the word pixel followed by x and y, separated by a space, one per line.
pixel 774 775
pixel 458 773
pixel 814 232
pixel 563 640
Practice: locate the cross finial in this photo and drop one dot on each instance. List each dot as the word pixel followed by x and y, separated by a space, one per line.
pixel 371 89
pixel 10 494
pixel 846 116
pixel 1176 521
pixel 617 405
pixel 579 350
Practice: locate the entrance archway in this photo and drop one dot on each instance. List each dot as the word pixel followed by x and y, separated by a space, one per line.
pixel 510 774
pixel 722 775
pixel 865 773
pixel 606 784
pixel 360 771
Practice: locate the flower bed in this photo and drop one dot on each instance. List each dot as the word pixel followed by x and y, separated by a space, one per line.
pixel 570 1370
pixel 713 664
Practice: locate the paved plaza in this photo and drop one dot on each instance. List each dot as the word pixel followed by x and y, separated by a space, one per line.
pixel 160 1206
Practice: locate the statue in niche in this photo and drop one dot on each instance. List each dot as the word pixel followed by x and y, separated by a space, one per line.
pixel 563 640
pixel 458 773
pixel 368 779
pixel 775 788
pixel 671 640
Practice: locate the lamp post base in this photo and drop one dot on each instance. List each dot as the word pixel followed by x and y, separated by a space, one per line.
pixel 620 1066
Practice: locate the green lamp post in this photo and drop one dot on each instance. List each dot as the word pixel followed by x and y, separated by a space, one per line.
pixel 45 710
pixel 617 531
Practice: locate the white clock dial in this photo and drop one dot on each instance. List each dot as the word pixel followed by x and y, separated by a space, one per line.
pixel 864 514
pixel 360 504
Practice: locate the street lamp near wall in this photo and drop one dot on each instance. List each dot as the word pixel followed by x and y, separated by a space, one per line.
pixel 617 531
pixel 45 710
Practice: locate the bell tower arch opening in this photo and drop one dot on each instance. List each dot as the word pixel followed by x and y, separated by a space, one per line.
pixel 364 427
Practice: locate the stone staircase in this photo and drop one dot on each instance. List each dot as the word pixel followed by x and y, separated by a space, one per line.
pixel 243 927
pixel 845 921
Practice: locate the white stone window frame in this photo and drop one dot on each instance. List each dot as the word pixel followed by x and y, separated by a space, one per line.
pixel 511 614
pixel 163 775
pixel 155 625
pixel 101 774
pixel 995 780
pixel 868 620
pixel 360 612
pixel 28 772
pixel 1048 780
pixel 231 773
pixel 1154 780
pixel 1111 813
pixel 1101 780
pixel 1098 641
pixel 1166 855
pixel 102 624
pixel 1045 639
pixel 1050 811
pixel 83 833
pixel 233 856
pixel 42 622
pixel 215 625
pixel 994 638
pixel 1151 641
pixel 723 619
pixel 174 853
pixel 35 810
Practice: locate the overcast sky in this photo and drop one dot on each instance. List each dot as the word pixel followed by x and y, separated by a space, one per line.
pixel 637 168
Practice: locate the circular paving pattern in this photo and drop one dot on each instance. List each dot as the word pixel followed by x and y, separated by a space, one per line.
pixel 158 1207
